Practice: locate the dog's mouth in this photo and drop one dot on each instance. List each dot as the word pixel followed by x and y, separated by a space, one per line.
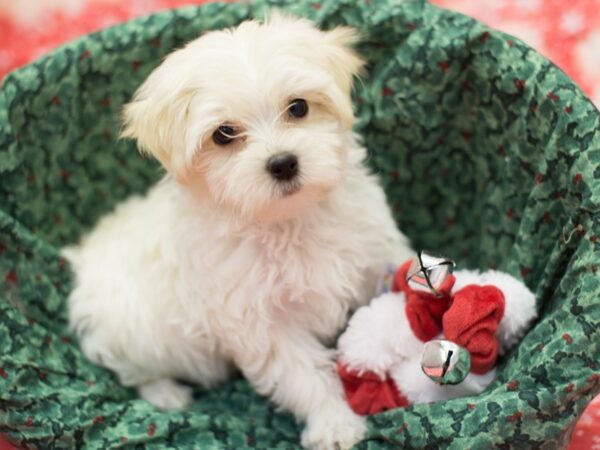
pixel 290 189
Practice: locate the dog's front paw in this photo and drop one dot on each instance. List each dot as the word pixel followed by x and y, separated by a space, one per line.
pixel 166 394
pixel 333 429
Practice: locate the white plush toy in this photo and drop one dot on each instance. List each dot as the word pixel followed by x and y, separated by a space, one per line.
pixel 433 325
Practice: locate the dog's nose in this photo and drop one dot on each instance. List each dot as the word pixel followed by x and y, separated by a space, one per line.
pixel 283 166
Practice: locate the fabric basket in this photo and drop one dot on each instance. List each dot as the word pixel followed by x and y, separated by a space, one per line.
pixel 488 154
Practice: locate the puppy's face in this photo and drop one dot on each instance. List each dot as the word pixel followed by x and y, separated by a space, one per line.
pixel 257 117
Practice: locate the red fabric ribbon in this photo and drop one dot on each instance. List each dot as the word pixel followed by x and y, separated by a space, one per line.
pixel 368 394
pixel 424 310
pixel 472 321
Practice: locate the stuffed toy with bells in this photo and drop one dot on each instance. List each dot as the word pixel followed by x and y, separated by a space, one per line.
pixel 434 336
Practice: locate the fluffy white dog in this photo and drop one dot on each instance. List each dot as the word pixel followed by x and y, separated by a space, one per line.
pixel 267 230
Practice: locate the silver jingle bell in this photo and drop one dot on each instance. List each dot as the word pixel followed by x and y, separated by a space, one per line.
pixel 445 362
pixel 428 273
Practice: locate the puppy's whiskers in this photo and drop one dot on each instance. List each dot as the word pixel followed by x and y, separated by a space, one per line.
pixel 239 135
pixel 279 114
pixel 287 189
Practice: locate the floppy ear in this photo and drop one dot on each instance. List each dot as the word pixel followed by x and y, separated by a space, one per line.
pixel 344 64
pixel 157 117
pixel 344 60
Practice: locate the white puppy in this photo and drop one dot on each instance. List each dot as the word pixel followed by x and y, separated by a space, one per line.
pixel 266 232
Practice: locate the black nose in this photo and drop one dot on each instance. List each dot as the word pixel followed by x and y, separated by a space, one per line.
pixel 283 166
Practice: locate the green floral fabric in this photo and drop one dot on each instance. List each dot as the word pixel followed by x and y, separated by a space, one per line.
pixel 488 153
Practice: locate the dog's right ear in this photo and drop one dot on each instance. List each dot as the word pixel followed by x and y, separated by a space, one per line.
pixel 157 117
pixel 344 63
pixel 344 60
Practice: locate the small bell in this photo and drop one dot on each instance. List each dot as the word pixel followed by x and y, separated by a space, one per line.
pixel 445 362
pixel 428 272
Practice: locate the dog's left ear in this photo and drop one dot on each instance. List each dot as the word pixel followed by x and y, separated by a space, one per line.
pixel 344 60
pixel 344 64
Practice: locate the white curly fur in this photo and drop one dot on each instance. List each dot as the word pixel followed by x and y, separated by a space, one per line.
pixel 220 266
pixel 378 336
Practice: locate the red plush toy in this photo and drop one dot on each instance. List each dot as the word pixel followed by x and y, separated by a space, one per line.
pixel 434 336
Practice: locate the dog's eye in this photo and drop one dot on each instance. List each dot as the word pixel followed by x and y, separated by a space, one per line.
pixel 298 108
pixel 223 135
